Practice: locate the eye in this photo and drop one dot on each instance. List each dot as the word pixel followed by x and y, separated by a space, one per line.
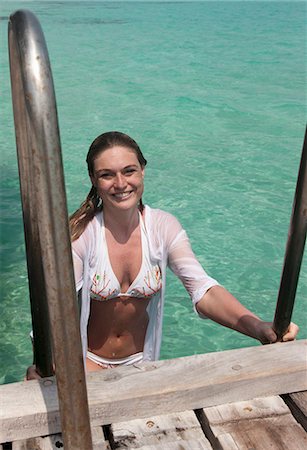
pixel 106 175
pixel 129 171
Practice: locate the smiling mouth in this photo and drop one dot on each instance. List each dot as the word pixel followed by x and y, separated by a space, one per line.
pixel 122 195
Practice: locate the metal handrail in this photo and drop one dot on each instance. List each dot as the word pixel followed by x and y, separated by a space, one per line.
pixel 51 279
pixel 294 250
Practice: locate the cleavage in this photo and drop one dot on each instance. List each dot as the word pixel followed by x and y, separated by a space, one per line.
pixel 125 261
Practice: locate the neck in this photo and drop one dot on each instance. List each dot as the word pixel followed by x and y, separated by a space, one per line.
pixel 121 223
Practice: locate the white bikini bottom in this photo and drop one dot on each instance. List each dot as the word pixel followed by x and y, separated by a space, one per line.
pixel 107 363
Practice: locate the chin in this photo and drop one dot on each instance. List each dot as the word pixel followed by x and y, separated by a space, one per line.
pixel 126 204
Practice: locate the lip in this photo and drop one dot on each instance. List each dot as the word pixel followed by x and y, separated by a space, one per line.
pixel 122 195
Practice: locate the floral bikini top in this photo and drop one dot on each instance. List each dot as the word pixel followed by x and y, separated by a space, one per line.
pixel 147 283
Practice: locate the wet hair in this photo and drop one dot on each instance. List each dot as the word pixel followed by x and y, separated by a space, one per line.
pixel 109 140
pixel 93 204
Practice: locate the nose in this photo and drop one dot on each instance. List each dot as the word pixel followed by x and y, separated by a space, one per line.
pixel 120 181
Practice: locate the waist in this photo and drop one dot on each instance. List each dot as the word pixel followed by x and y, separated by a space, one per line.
pixel 117 327
pixel 115 362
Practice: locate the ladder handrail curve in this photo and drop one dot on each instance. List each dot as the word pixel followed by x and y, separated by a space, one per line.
pixel 45 216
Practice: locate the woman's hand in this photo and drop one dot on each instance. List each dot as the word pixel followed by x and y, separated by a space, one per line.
pixel 32 374
pixel 266 334
pixel 222 307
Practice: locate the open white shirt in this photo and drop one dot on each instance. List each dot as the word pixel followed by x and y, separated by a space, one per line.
pixel 169 246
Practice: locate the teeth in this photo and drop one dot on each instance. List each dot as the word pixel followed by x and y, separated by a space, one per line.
pixel 122 194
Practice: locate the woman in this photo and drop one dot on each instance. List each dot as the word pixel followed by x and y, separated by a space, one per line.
pixel 121 249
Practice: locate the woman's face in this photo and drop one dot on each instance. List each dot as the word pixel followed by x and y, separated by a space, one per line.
pixel 118 177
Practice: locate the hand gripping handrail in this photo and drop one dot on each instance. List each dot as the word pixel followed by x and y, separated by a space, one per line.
pixel 294 250
pixel 46 227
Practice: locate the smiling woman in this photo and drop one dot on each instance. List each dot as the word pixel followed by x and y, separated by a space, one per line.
pixel 118 177
pixel 121 250
pixel 110 175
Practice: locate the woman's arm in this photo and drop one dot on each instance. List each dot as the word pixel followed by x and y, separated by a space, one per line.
pixel 222 307
pixel 209 298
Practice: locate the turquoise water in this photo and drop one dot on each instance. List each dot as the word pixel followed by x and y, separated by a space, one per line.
pixel 215 94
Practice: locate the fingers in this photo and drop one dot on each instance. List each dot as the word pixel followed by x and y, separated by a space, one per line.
pixel 32 374
pixel 270 336
pixel 265 333
pixel 291 333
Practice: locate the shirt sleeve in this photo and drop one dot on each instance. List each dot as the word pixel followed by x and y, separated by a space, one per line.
pixel 183 262
pixel 78 255
pixel 84 251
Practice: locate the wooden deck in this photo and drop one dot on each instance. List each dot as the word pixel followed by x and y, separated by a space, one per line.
pixel 253 398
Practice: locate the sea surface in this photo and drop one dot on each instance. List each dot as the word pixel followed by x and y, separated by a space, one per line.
pixel 215 94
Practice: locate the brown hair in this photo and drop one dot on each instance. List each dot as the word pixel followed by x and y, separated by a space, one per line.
pixel 93 204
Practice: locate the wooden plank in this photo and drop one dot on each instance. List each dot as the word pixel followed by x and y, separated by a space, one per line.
pixel 297 403
pixel 259 424
pixel 53 442
pixel 31 408
pixel 99 442
pixel 300 399
pixel 172 431
pixel 182 445
pixel 226 441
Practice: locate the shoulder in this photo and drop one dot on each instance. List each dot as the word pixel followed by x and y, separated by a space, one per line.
pixel 86 242
pixel 93 227
pixel 162 223
pixel 160 217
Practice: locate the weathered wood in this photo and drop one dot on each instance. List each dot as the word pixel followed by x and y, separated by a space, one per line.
pixel 99 442
pixel 182 445
pixel 172 431
pixel 259 424
pixel 53 442
pixel 300 399
pixel 227 442
pixel 297 403
pixel 31 408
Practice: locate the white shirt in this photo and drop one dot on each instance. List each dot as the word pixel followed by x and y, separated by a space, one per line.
pixel 169 246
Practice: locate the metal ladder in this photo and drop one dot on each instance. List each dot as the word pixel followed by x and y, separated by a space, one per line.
pixel 51 281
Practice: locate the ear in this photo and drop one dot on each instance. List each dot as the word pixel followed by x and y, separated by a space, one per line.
pixel 143 171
